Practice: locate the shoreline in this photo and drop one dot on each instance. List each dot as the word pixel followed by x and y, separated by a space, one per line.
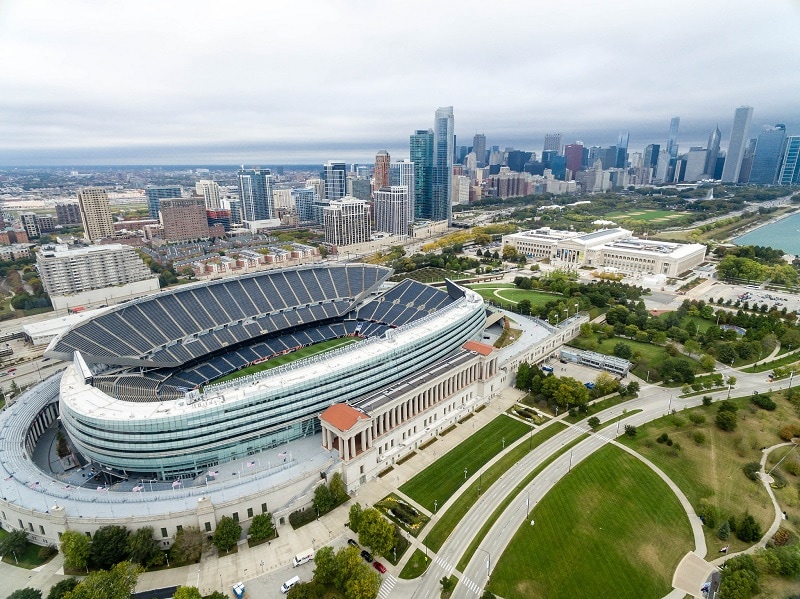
pixel 755 226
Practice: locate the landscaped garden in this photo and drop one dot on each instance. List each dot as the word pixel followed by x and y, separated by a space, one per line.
pixel 435 484
pixel 611 528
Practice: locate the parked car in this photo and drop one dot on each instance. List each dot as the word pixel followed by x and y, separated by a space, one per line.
pixel 379 567
pixel 366 555
pixel 352 543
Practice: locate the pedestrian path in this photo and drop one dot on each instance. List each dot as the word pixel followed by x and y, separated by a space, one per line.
pixel 386 586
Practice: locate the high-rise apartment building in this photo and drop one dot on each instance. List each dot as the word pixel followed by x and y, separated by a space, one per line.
pixel 479 147
pixel 304 199
pixel 552 142
pixel 392 209
pixel 650 158
pixel 402 173
pixel 210 192
pixel 672 141
pixel 28 222
pixel 713 152
pixel 95 213
pixel 156 193
pixel 574 155
pixel 380 176
pixel 335 179
pixel 461 187
pixel 695 164
pixel 347 221
pixel 184 219
pixel 790 171
pixel 255 193
pixel 64 271
pixel 768 157
pixel 442 174
pixel 421 150
pixel 737 144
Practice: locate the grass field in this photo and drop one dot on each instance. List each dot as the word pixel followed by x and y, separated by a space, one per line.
pixel 450 519
pixel 440 480
pixel 28 558
pixel 651 356
pixel 648 215
pixel 303 352
pixel 509 293
pixel 611 528
pixel 711 471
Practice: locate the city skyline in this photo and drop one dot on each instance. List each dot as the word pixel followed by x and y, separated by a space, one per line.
pixel 161 84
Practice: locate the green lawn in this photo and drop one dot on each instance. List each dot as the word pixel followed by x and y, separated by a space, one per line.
pixel 440 480
pixel 450 519
pixel 648 215
pixel 415 566
pixel 304 352
pixel 509 293
pixel 711 470
pixel 611 528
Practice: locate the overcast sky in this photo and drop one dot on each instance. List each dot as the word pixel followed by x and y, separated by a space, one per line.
pixel 197 82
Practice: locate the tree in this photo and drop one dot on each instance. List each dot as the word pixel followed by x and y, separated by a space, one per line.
pixel 355 516
pixel 447 584
pixel 524 306
pixel 630 430
pixel 749 530
pixel 707 362
pixel 364 584
pixel 26 593
pixel 594 422
pixel 348 563
pixel 143 548
pixel 726 420
pixel 109 546
pixel 187 593
pixel 375 532
pixel 261 528
pixel 633 388
pixel 15 542
pixel 337 488
pixel 75 547
pixel 117 583
pixel 62 587
pixel 325 566
pixel 190 542
pixel 524 376
pixel 227 534
pixel 323 500
pixel 724 531
pixel 623 350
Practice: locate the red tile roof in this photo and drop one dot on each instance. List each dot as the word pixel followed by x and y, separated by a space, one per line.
pixel 342 416
pixel 479 347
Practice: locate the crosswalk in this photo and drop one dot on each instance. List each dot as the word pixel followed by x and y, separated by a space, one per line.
pixel 440 561
pixel 472 586
pixel 386 586
pixel 449 568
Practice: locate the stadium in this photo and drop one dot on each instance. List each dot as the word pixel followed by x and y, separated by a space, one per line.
pixel 141 410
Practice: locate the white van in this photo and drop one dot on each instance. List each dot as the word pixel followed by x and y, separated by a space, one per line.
pixel 289 584
pixel 302 557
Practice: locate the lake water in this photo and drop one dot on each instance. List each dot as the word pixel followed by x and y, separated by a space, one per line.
pixel 784 235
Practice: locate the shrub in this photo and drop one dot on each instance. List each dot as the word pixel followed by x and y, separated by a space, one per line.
pixel 697 418
pixel 789 431
pixel 781 537
pixel 663 438
pixel 724 531
pixel 707 400
pixel 726 420
pixel 699 437
pixel 630 430
pixel 764 402
pixel 707 513
pixel 46 552
pixel 752 470
pixel 594 422
pixel 792 466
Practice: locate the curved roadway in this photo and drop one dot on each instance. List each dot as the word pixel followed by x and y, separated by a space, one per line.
pixel 654 402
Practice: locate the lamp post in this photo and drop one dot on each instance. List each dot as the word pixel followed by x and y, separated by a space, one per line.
pixel 528 504
pixel 465 474
pixel 576 308
pixel 435 505
pixel 262 566
pixel 504 442
pixel 166 555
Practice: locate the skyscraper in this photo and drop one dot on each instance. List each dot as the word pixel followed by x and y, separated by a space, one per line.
pixel 713 152
pixel 479 147
pixel 335 179
pixel 95 214
pixel 381 174
pixel 402 173
pixel 304 199
pixel 621 158
pixel 737 144
pixel 790 171
pixel 552 141
pixel 392 210
pixel 442 179
pixel 210 192
pixel 184 219
pixel 255 192
pixel 155 193
pixel 650 159
pixel 672 142
pixel 695 164
pixel 347 221
pixel 574 155
pixel 421 150
pixel 769 155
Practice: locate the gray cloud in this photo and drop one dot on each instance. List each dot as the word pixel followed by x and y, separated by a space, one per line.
pixel 272 83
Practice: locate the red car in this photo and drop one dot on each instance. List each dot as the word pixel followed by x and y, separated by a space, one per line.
pixel 379 567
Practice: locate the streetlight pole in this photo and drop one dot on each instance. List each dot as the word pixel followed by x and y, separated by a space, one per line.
pixel 528 504
pixel 435 505
pixel 465 474
pixel 504 442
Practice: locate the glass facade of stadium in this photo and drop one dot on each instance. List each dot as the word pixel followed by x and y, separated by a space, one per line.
pixel 177 439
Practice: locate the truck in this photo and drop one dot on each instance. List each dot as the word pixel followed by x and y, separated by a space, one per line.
pixel 238 590
pixel 302 557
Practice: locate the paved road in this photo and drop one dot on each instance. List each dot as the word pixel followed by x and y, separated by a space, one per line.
pixel 653 401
